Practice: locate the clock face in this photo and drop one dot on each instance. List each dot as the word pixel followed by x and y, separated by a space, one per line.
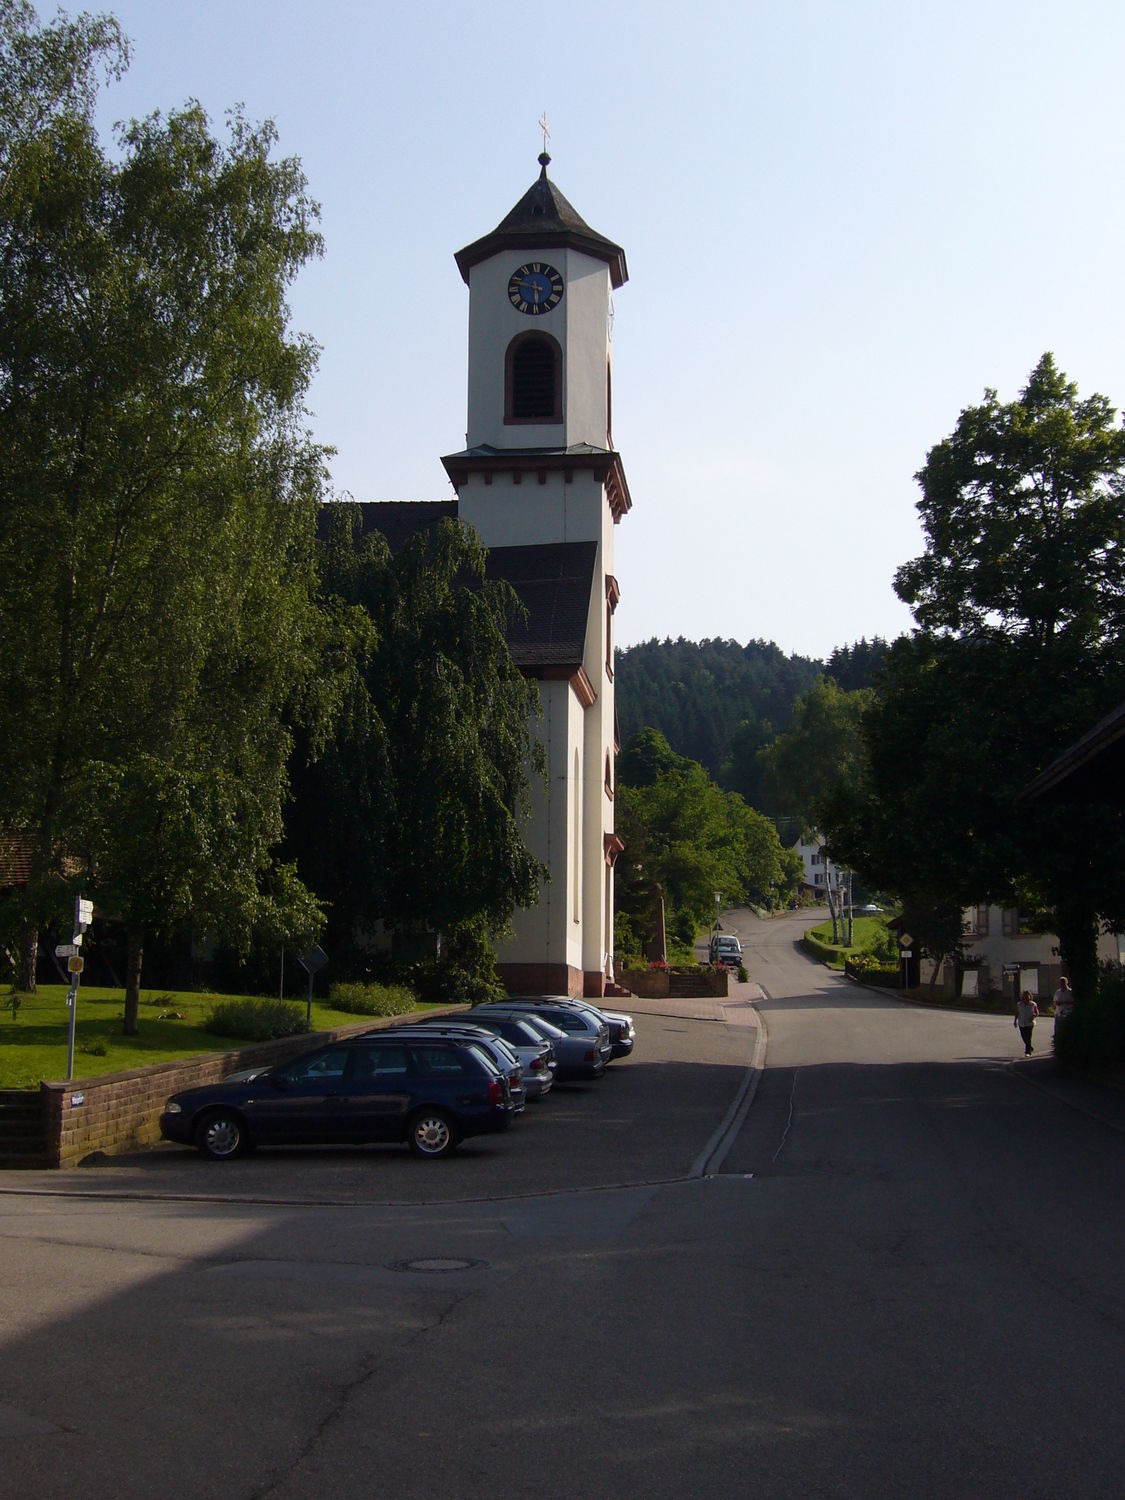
pixel 535 289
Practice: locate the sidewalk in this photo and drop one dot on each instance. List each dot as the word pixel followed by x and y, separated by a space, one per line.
pixel 736 1009
pixel 1099 1101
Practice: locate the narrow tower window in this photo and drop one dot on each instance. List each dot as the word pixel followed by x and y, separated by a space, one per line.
pixel 533 379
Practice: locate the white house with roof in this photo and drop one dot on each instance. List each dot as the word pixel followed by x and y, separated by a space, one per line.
pixel 819 874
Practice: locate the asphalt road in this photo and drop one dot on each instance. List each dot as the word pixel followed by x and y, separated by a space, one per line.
pixel 886 1266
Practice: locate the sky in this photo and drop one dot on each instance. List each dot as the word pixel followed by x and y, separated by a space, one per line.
pixel 843 220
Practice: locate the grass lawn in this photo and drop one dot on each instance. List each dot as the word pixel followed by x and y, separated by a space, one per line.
pixel 33 1044
pixel 866 932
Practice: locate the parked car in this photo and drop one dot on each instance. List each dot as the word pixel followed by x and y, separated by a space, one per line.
pixel 429 1092
pixel 576 1021
pixel 622 1032
pixel 571 1060
pixel 726 950
pixel 502 1055
pixel 534 1054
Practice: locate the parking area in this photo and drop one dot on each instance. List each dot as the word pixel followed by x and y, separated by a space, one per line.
pixel 645 1121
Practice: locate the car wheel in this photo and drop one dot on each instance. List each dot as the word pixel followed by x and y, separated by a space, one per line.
pixel 220 1134
pixel 432 1133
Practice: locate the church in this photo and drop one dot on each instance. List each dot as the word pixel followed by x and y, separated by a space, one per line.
pixel 541 484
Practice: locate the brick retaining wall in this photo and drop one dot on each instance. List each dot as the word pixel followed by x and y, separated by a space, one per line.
pixel 121 1111
pixel 660 984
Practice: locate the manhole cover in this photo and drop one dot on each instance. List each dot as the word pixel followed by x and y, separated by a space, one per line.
pixel 436 1263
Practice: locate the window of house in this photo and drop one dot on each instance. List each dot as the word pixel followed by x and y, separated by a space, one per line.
pixel 533 379
pixel 1016 922
pixel 974 921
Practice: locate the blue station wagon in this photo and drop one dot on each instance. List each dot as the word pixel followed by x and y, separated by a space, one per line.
pixel 428 1094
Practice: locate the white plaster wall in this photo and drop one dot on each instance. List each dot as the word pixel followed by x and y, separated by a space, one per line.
pixel 543 933
pixel 505 514
pixel 598 736
pixel 998 948
pixel 578 323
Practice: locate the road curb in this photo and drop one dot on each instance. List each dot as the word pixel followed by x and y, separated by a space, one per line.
pixel 710 1160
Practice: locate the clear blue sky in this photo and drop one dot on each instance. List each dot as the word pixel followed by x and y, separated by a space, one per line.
pixel 843 220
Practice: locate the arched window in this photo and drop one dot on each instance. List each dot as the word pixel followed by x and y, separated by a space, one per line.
pixel 533 379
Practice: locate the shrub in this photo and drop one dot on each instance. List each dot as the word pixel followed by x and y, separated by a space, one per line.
pixel 466 972
pixel 365 999
pixel 819 948
pixel 255 1020
pixel 885 948
pixel 870 962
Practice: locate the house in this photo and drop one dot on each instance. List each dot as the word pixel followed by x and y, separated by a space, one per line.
pixel 819 874
pixel 1003 953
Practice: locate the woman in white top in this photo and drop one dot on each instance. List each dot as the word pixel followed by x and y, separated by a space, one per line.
pixel 1026 1011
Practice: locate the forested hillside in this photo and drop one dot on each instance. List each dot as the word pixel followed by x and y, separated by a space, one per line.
pixel 697 693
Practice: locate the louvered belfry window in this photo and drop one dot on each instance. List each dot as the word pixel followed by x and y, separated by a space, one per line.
pixel 534 383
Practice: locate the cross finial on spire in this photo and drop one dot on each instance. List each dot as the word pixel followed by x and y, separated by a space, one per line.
pixel 544 128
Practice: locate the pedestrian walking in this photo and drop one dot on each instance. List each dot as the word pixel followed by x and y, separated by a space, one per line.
pixel 1026 1011
pixel 1063 1002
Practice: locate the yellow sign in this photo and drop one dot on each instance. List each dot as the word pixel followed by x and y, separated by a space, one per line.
pixel 75 964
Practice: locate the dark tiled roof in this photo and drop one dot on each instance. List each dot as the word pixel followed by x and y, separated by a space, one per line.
pixel 398 520
pixel 544 218
pixel 1092 770
pixel 514 455
pixel 553 581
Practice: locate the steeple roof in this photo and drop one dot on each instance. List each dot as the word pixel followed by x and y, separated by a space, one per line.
pixel 543 219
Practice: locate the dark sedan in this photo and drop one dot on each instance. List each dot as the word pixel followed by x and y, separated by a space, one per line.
pixel 429 1094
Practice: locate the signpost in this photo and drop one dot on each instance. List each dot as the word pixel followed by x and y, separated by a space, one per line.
pixel 83 916
pixel 312 962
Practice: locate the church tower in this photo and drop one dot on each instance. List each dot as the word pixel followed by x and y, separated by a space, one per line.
pixel 541 484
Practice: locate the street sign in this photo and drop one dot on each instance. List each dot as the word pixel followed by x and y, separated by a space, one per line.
pixel 83 913
pixel 75 964
pixel 66 950
pixel 313 961
pixel 906 941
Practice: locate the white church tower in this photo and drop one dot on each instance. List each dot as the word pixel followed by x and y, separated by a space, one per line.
pixel 540 482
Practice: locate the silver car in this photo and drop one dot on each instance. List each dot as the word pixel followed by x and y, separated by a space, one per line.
pixel 586 1060
pixel 622 1032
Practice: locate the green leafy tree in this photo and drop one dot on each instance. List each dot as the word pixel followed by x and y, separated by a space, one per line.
pixel 158 497
pixel 1019 595
pixel 822 746
pixel 685 839
pixel 697 693
pixel 425 777
pixel 742 771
